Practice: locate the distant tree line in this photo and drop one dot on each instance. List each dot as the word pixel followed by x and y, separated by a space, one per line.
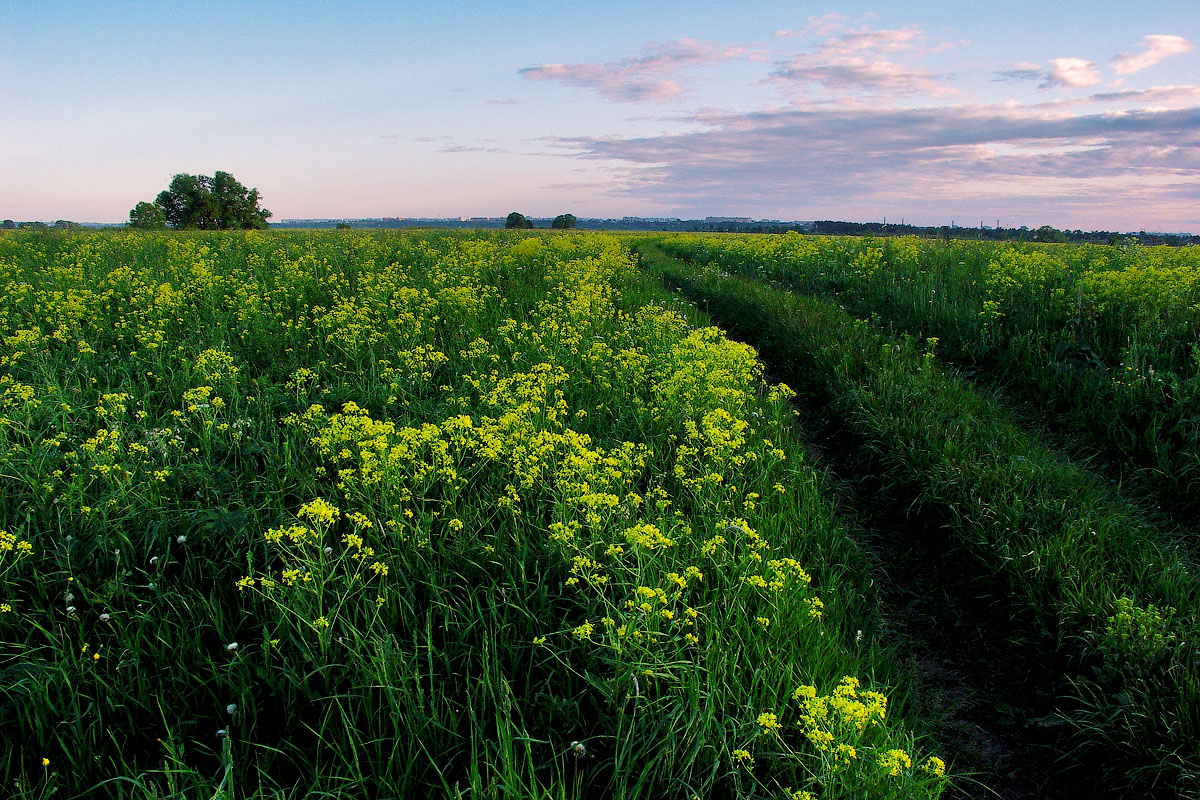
pixel 191 207
pixel 1045 233
pixel 58 225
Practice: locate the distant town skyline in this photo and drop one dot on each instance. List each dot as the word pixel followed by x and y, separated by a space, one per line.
pixel 1079 116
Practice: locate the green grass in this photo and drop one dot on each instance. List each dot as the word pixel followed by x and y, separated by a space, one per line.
pixel 366 515
pixel 1103 338
pixel 1102 610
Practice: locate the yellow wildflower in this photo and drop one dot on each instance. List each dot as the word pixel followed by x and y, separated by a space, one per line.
pixel 769 722
pixel 895 762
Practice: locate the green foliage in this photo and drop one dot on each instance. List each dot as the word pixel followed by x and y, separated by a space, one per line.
pixel 1140 635
pixel 563 222
pixel 204 203
pixel 147 216
pixel 517 220
pixel 346 514
pixel 1103 339
pixel 1051 535
pixel 1049 234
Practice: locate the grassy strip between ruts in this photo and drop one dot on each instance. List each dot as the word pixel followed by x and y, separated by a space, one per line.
pixel 1099 598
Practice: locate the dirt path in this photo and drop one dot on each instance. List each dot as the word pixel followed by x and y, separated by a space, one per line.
pixel 988 715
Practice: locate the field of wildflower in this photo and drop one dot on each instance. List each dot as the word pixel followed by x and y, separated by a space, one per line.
pixel 345 515
pixel 1095 596
pixel 1105 338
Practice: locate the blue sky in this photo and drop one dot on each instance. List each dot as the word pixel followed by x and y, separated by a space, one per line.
pixel 1082 116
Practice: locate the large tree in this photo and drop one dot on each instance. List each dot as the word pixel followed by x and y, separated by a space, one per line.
pixel 198 201
pixel 563 221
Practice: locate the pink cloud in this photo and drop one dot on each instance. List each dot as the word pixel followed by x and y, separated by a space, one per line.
pixel 1154 94
pixel 824 25
pixel 1154 49
pixel 1007 159
pixel 1072 73
pixel 859 74
pixel 878 41
pixel 647 78
pixel 863 60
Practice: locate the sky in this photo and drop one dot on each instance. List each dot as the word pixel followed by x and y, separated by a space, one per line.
pixel 1076 115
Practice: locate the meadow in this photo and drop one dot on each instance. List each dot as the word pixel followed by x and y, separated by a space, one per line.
pixel 365 515
pixel 503 514
pixel 1102 337
pixel 1092 587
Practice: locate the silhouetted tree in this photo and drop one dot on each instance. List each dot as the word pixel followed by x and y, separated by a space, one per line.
pixel 1049 234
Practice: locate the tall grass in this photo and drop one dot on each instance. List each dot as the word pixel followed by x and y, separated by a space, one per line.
pixel 1106 336
pixel 367 515
pixel 1102 611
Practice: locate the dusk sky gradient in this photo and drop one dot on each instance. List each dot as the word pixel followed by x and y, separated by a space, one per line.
pixel 1083 115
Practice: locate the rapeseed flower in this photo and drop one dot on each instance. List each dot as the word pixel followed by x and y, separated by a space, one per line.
pixel 895 762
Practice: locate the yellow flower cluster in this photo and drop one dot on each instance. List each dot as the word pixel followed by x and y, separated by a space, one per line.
pixel 845 712
pixel 483 406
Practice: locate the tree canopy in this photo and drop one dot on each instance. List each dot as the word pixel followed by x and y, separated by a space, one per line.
pixel 1049 234
pixel 219 202
pixel 147 216
pixel 563 221
pixel 516 220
